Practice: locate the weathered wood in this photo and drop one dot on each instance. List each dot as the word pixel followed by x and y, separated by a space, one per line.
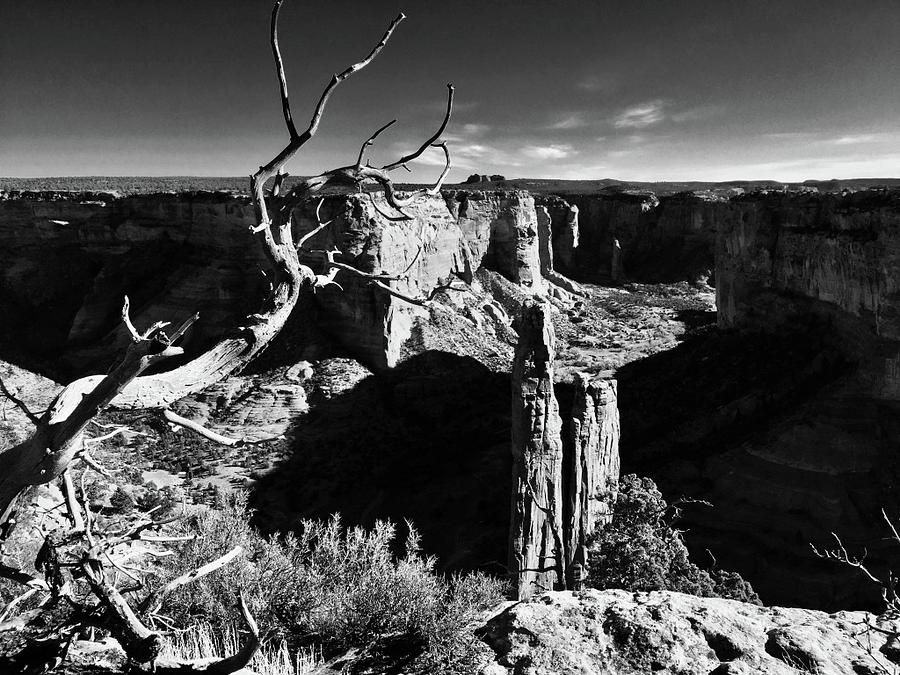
pixel 594 443
pixel 536 556
pixel 56 439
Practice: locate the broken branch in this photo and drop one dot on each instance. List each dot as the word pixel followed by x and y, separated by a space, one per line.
pixel 437 134
pixel 154 602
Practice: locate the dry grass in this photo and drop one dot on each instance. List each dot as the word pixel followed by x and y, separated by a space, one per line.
pixel 202 642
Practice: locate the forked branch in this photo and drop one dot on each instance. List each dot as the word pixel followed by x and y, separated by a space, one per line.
pixel 431 141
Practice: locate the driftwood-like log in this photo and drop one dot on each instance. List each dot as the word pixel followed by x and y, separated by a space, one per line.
pixel 536 540
pixel 52 446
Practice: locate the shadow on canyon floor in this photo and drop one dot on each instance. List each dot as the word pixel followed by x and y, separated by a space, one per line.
pixel 770 429
pixel 427 441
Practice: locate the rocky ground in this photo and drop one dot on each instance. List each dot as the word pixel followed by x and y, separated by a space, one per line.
pixel 608 328
pixel 623 633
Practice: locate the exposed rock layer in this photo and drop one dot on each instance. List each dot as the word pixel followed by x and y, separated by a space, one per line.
pixel 667 239
pixel 66 262
pixel 790 427
pixel 536 528
pixel 594 463
pixel 621 633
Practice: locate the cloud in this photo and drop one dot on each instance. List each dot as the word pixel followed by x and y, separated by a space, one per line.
pixel 475 129
pixel 790 135
pixel 432 157
pixel 604 82
pixel 466 132
pixel 825 139
pixel 573 121
pixel 640 115
pixel 554 151
pixel 856 140
pixel 480 156
pixel 701 112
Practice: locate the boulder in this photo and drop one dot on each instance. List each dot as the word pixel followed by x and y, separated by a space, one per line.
pixel 623 633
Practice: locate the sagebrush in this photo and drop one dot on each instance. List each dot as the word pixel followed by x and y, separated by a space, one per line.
pixel 332 588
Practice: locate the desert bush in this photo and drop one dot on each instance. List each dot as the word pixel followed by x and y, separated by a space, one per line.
pixel 330 587
pixel 642 551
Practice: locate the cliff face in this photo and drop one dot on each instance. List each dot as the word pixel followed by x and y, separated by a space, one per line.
pixel 788 421
pixel 66 262
pixel 828 258
pixel 502 232
pixel 667 239
pixel 65 265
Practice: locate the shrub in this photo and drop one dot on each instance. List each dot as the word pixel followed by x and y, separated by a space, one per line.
pixel 331 588
pixel 641 551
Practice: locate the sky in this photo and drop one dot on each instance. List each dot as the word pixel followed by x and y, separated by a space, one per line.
pixel 575 89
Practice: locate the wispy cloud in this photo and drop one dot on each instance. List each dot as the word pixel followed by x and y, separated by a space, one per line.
pixel 856 140
pixel 790 135
pixel 640 115
pixel 700 112
pixel 475 129
pixel 554 151
pixel 432 157
pixel 466 133
pixel 573 121
pixel 826 139
pixel 595 82
pixel 481 156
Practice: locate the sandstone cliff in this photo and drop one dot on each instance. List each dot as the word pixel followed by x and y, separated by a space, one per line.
pixel 66 260
pixel 834 258
pixel 787 421
pixel 671 238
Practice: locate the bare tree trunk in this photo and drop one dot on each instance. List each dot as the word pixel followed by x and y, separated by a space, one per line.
pixel 536 555
pixel 595 465
pixel 50 449
pixel 48 452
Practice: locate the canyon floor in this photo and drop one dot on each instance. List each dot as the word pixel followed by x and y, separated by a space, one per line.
pixel 609 327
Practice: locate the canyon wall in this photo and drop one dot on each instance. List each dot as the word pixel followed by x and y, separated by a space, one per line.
pixel 67 260
pixel 828 258
pixel 788 420
pixel 671 238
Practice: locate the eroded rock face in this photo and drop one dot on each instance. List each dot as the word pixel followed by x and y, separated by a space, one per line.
pixel 619 632
pixel 546 252
pixel 594 446
pixel 671 238
pixel 536 530
pixel 252 408
pixel 827 257
pixel 66 262
pixel 502 232
pixel 65 265
pixel 426 251
pixel 786 420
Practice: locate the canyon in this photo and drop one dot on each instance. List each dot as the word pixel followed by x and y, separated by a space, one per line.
pixel 777 402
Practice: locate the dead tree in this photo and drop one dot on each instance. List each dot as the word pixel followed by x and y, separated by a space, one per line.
pixel 84 567
pixel 59 431
pixel 48 452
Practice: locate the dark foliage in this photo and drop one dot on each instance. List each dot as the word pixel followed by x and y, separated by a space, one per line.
pixel 642 551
